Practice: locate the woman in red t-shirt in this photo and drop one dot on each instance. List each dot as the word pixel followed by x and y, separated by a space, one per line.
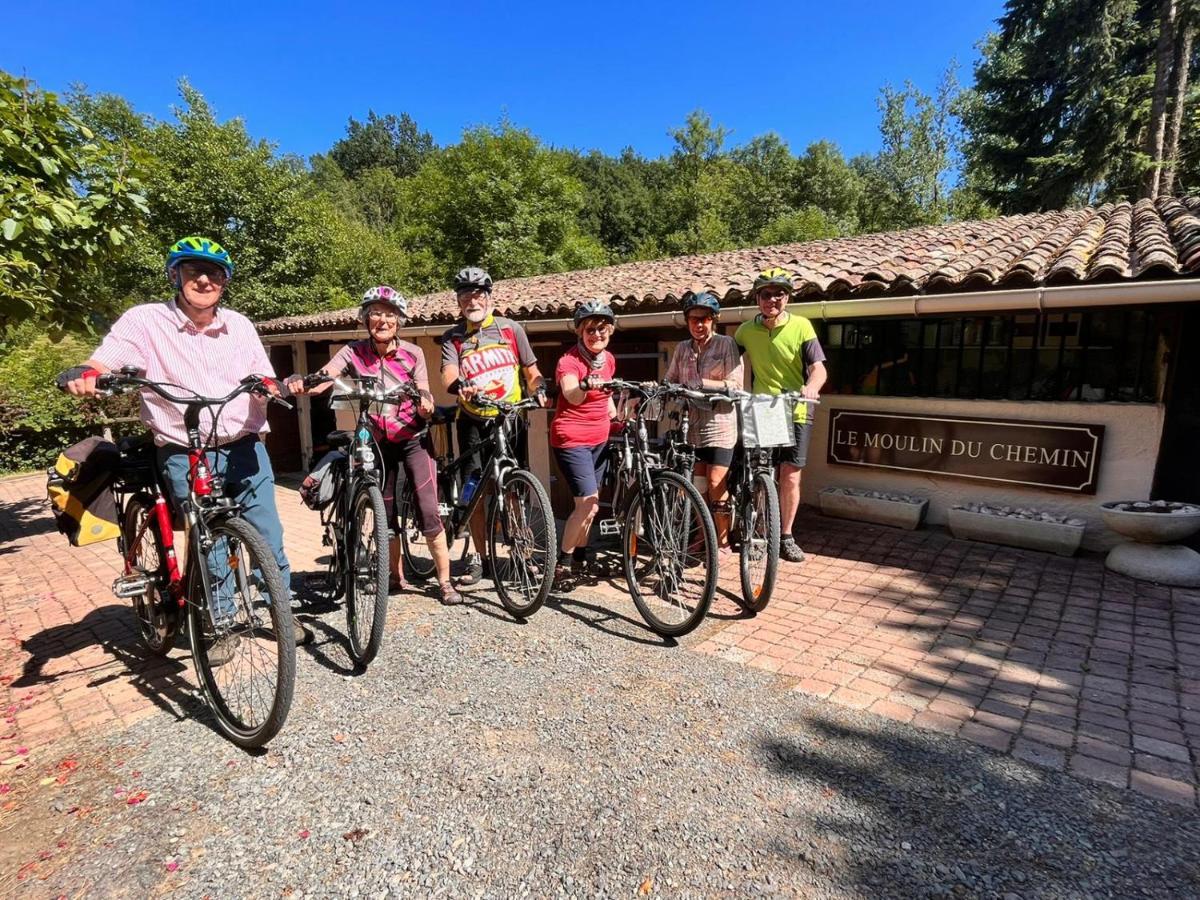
pixel 579 432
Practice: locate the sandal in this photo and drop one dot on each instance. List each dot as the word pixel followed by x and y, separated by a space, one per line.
pixel 450 595
pixel 396 584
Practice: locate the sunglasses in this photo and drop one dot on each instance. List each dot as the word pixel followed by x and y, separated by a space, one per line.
pixel 192 271
pixel 597 329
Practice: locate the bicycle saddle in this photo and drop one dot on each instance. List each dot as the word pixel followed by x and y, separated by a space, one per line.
pixel 337 439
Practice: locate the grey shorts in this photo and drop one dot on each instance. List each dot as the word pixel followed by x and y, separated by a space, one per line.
pixel 797 454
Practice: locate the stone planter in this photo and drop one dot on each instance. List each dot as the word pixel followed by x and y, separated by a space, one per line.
pixel 896 510
pixel 1153 525
pixel 1014 531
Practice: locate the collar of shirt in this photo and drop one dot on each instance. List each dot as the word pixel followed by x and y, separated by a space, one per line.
pixel 186 324
pixel 780 320
pixel 486 323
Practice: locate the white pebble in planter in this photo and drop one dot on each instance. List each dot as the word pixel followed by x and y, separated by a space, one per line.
pixel 880 507
pixel 1017 527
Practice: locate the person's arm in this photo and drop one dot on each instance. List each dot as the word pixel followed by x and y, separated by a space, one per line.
pixel 534 381
pixel 421 378
pixel 814 380
pixel 83 384
pixel 335 367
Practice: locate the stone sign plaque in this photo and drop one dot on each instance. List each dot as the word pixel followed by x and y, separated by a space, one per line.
pixel 1055 455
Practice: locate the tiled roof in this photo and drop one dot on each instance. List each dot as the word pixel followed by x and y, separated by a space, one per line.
pixel 1113 242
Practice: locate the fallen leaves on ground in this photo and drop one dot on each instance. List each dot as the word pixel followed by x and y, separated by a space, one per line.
pixel 355 835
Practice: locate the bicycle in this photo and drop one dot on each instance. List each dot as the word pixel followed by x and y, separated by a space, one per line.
pixel 522 542
pixel 764 422
pixel 668 539
pixel 354 523
pixel 233 628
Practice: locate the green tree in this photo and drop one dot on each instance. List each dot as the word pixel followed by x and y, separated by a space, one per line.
pixel 383 142
pixel 68 202
pixel 826 181
pixel 1060 102
pixel 501 200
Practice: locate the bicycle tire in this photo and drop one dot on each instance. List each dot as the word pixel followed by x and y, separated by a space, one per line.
pixel 523 545
pixel 414 546
pixel 758 556
pixel 660 574
pixel 157 613
pixel 249 606
pixel 366 573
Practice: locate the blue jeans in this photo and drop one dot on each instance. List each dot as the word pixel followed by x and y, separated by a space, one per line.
pixel 246 468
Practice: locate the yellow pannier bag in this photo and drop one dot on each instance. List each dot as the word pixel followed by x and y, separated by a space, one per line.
pixel 80 487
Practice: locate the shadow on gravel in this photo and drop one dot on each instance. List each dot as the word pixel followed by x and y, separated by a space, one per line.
pixel 328 647
pixel 162 680
pixel 907 815
pixel 598 617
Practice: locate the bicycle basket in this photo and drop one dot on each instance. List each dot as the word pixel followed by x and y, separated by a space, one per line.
pixel 766 422
pixel 319 489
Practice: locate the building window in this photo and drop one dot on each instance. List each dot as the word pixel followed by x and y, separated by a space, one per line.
pixel 1092 355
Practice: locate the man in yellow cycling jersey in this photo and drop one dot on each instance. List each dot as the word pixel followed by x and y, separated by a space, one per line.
pixel 785 355
pixel 483 355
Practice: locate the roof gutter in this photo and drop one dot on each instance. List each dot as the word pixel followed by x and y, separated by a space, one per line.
pixel 1036 299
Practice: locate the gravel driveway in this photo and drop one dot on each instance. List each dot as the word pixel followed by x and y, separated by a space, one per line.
pixel 575 755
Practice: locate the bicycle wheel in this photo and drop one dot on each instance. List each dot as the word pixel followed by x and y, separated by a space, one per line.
pixel 522 543
pixel 414 546
pixel 156 612
pixel 240 629
pixel 758 524
pixel 670 554
pixel 366 573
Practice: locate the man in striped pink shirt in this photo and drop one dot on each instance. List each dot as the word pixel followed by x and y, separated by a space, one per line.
pixel 191 342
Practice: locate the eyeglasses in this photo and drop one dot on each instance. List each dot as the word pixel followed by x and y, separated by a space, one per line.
pixel 192 271
pixel 377 315
pixel 472 294
pixel 772 294
pixel 597 329
pixel 698 320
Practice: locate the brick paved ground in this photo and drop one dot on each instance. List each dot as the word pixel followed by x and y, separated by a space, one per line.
pixel 1054 661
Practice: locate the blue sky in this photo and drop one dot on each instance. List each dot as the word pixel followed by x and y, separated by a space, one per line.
pixel 600 76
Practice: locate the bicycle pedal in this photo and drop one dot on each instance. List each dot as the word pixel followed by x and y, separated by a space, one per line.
pixel 609 527
pixel 444 509
pixel 129 586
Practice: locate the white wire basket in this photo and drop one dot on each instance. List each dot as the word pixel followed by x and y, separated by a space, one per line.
pixel 767 421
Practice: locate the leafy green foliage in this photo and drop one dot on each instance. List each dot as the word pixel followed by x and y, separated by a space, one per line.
pixel 383 142
pixel 36 419
pixel 68 202
pixel 1060 103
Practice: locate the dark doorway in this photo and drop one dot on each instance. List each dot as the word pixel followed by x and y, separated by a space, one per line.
pixel 283 440
pixel 1177 476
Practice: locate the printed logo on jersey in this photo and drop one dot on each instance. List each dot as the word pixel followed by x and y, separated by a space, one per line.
pixel 492 368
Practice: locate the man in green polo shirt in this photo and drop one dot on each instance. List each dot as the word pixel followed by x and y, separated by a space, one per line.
pixel 785 355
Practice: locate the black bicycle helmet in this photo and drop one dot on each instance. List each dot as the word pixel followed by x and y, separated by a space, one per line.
pixel 472 277
pixel 593 309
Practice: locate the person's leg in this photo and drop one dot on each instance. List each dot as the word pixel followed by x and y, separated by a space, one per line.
pixel 718 502
pixel 250 478
pixel 421 472
pixel 173 464
pixel 789 492
pixel 471 438
pixel 390 457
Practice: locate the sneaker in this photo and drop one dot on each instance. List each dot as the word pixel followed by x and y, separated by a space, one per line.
pixel 450 596
pixel 564 578
pixel 299 632
pixel 474 573
pixel 790 550
pixel 223 649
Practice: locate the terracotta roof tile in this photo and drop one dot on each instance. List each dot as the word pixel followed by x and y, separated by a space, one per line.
pixel 1116 240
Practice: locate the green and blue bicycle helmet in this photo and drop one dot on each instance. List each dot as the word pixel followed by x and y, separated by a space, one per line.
pixel 195 247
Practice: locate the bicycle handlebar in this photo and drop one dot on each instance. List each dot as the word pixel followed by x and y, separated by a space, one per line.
pixel 359 392
pixel 117 382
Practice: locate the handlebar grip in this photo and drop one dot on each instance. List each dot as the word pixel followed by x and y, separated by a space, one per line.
pixel 316 378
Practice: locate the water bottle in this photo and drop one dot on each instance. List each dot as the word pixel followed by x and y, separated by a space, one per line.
pixel 468 489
